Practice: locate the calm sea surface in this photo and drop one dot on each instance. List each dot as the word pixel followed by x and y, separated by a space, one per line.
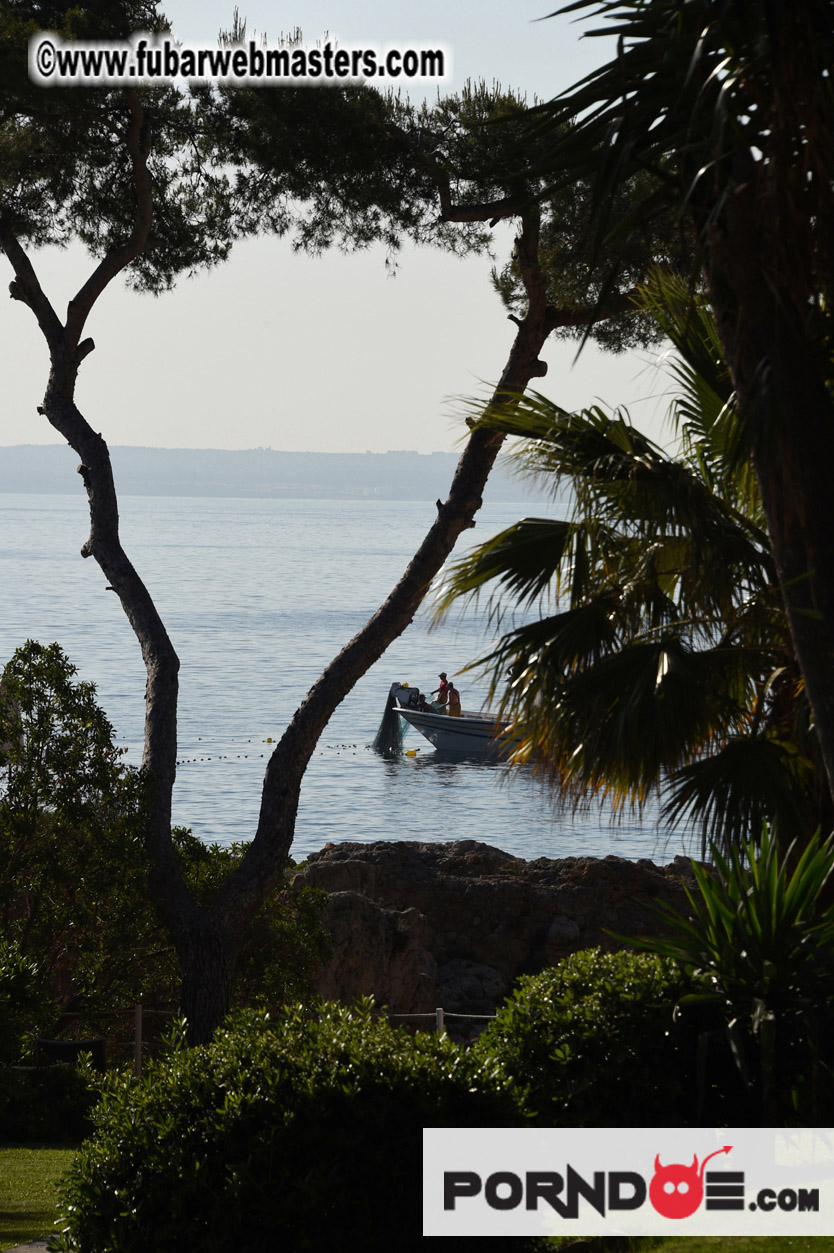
pixel 257 596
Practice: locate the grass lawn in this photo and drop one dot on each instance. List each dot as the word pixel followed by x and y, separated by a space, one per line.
pixel 28 1191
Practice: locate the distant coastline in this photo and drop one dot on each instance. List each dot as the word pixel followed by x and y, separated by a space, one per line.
pixel 255 472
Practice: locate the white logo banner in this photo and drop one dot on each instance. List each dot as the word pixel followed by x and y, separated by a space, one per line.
pixel 628 1181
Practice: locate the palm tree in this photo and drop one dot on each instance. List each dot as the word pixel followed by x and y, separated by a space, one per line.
pixel 661 658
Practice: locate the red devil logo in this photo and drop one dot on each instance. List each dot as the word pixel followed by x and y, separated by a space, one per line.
pixel 676 1191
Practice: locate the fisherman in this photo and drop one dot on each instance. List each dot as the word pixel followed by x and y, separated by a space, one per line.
pixel 454 701
pixel 441 692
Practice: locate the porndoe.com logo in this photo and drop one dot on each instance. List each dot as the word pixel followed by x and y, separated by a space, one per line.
pixel 634 1181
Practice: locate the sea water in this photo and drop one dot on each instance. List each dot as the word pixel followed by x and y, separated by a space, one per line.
pixel 257 597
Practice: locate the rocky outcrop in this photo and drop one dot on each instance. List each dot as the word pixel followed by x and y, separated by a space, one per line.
pixel 453 925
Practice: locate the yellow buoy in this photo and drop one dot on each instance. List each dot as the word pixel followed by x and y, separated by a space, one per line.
pixel 412 752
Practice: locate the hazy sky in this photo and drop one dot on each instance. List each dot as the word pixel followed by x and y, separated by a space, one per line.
pixel 329 354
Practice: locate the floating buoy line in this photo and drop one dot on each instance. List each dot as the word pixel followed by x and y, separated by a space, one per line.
pixel 213 742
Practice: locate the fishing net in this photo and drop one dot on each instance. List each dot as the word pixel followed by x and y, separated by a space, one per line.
pixel 389 737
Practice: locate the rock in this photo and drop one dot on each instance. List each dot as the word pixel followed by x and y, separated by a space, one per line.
pixel 470 987
pixel 562 930
pixel 453 925
pixel 377 950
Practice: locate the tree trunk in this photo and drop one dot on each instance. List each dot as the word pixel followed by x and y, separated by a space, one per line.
pixel 207 959
pixel 795 482
pixel 771 340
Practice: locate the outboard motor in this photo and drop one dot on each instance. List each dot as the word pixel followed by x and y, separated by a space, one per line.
pixel 405 696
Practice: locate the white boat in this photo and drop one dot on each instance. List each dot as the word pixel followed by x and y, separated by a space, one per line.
pixel 470 735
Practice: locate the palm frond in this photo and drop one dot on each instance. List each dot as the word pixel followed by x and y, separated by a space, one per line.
pixel 521 562
pixel 729 795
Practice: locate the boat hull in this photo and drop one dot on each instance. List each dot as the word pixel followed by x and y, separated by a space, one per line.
pixel 466 736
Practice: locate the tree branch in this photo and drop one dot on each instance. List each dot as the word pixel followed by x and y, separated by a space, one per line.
pixel 26 286
pixel 491 211
pixel 137 140
pixel 616 304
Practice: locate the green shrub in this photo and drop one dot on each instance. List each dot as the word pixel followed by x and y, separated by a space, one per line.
pixel 300 1134
pixel 20 1001
pixel 600 1041
pixel 70 811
